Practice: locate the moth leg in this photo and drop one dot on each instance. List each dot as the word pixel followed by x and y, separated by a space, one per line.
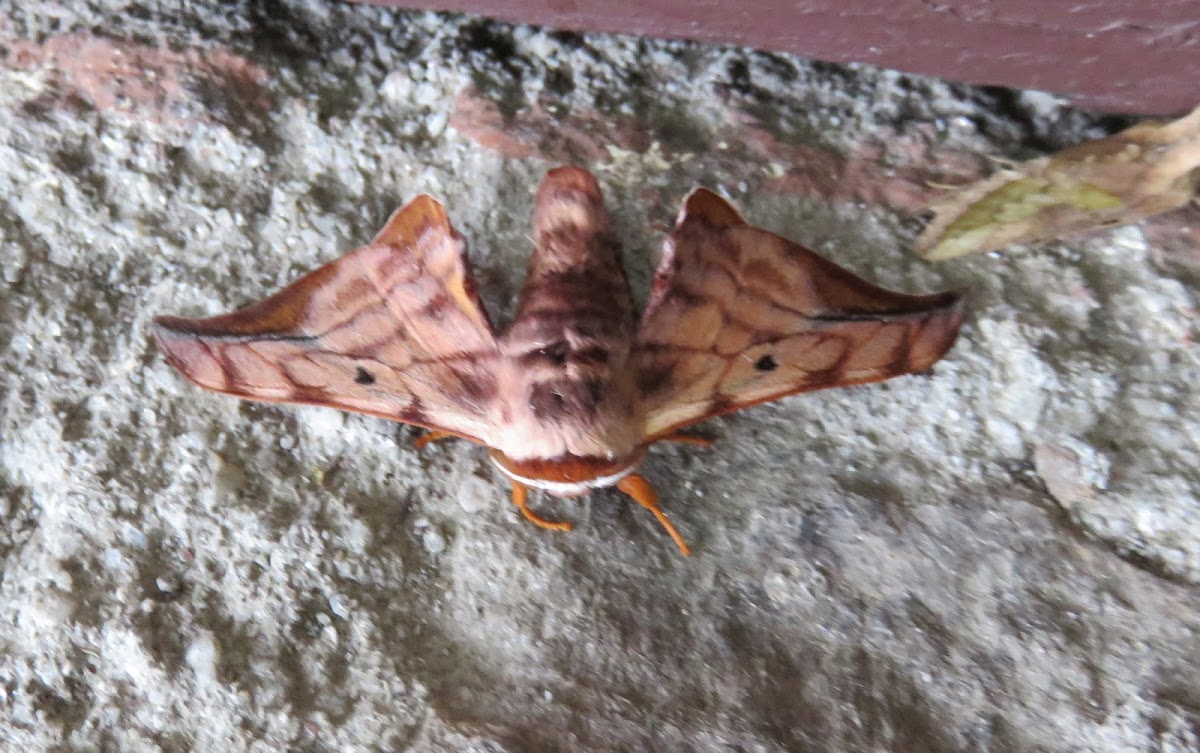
pixel 688 439
pixel 519 495
pixel 644 494
pixel 432 436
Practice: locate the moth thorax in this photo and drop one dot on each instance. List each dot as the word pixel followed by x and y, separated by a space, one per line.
pixel 567 475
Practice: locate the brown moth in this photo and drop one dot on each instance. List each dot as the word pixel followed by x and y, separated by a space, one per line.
pixel 1145 170
pixel 572 395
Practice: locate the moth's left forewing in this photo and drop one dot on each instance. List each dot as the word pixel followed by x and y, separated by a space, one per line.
pixel 393 329
pixel 740 316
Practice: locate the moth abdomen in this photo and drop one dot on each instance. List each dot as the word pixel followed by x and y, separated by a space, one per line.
pixel 562 355
pixel 590 357
pixel 562 398
pixel 555 354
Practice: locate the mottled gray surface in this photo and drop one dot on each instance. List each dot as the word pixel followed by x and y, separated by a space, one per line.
pixel 1002 555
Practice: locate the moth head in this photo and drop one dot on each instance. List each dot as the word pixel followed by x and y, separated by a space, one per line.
pixel 567 475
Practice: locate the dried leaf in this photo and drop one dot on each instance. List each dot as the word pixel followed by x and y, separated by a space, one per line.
pixel 1145 170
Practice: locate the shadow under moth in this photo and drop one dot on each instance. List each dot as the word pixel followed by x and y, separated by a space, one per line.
pixel 572 395
pixel 1142 171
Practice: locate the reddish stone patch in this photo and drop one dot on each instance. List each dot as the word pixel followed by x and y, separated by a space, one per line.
pixel 898 171
pixel 581 138
pixel 901 172
pixel 482 122
pixel 147 83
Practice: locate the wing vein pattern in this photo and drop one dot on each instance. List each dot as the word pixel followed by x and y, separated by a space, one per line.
pixel 738 316
pixel 394 329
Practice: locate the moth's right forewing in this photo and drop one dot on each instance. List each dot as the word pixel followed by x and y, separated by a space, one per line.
pixel 740 316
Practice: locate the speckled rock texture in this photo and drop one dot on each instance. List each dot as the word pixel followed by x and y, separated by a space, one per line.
pixel 1001 555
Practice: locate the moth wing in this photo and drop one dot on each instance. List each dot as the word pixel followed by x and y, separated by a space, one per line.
pixel 394 329
pixel 739 316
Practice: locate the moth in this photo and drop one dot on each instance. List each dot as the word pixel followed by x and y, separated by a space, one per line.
pixel 569 398
pixel 1142 171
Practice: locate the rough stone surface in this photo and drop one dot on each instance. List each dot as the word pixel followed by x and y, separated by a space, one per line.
pixel 1000 555
pixel 1114 55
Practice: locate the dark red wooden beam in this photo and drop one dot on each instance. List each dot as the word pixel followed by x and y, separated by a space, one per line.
pixel 1138 56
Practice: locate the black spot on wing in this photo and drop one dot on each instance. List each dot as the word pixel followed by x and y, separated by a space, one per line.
pixel 766 363
pixel 362 376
